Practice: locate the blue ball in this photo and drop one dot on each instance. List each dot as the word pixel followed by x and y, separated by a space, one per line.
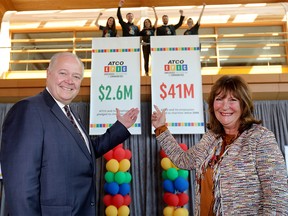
pixel 124 189
pixel 111 188
pixel 181 184
pixel 168 186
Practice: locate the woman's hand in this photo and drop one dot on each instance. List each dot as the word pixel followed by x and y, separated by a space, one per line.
pixel 158 117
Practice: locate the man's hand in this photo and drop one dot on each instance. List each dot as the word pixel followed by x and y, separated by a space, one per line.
pixel 121 2
pixel 129 118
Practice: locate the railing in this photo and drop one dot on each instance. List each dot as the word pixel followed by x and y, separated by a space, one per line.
pixel 217 50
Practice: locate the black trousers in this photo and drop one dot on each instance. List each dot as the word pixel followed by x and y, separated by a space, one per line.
pixel 146 53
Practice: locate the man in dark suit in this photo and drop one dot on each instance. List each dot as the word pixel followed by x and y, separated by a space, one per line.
pixel 48 164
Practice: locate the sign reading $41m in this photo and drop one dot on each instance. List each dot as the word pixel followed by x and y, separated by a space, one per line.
pixel 176 90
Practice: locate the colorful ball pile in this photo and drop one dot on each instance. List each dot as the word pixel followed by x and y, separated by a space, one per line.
pixel 117 185
pixel 175 184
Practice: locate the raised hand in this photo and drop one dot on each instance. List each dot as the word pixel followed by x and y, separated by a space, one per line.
pixel 129 118
pixel 121 2
pixel 158 117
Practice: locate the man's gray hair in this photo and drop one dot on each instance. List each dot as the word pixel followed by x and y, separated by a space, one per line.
pixel 55 57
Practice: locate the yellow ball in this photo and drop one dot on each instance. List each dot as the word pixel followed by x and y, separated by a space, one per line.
pixel 181 212
pixel 112 165
pixel 123 210
pixel 111 210
pixel 124 165
pixel 166 163
pixel 168 211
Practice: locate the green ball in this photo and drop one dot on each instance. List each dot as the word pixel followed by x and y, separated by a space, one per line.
pixel 164 174
pixel 109 177
pixel 172 174
pixel 128 177
pixel 120 177
pixel 183 173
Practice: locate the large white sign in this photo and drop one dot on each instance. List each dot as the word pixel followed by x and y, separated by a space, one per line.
pixel 177 82
pixel 115 81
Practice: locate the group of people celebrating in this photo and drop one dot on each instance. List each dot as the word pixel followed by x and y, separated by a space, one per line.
pixel 129 29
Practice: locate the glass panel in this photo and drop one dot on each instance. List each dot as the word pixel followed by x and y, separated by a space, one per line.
pixel 205 31
pixel 254 48
pixel 54 40
pixel 208 47
pixel 85 56
pixel 86 34
pixel 83 44
pixel 251 62
pixel 38 46
pixel 28 66
pixel 253 29
pixel 233 46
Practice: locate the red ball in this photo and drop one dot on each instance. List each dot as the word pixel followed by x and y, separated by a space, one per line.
pixel 127 200
pixel 107 200
pixel 165 197
pixel 183 146
pixel 117 200
pixel 172 200
pixel 162 153
pixel 119 154
pixel 183 199
pixel 108 155
pixel 128 154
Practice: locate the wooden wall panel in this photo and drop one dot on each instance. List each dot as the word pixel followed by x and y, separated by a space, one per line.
pixel 5 5
pixel 31 5
pixel 263 87
pixel 22 5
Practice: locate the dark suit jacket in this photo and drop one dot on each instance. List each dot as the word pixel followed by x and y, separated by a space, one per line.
pixel 47 169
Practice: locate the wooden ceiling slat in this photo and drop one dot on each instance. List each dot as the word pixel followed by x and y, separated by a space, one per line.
pixel 30 5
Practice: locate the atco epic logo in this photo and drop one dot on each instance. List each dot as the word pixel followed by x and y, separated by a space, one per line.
pixel 176 66
pixel 115 66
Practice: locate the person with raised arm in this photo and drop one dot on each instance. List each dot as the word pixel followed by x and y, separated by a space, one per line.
pixel 167 29
pixel 47 156
pixel 128 28
pixel 110 29
pixel 240 169
pixel 193 29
